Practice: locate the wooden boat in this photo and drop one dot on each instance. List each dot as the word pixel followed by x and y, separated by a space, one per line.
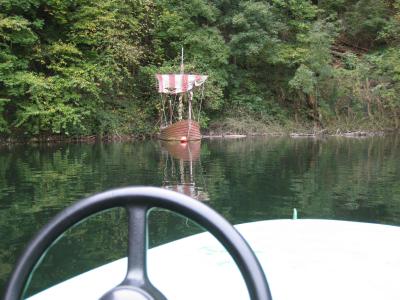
pixel 175 90
pixel 185 130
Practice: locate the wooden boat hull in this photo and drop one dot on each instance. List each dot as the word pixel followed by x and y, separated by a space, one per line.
pixel 185 129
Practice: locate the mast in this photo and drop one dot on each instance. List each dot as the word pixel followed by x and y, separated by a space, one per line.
pixel 182 65
pixel 180 107
pixel 181 97
pixel 190 105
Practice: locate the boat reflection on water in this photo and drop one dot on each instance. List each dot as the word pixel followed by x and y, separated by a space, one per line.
pixel 182 169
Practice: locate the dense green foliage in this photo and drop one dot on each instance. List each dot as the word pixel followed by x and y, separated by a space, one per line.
pixel 82 67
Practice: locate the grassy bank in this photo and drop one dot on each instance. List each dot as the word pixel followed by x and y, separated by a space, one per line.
pixel 249 126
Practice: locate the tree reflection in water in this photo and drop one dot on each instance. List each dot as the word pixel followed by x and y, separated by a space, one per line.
pixel 245 180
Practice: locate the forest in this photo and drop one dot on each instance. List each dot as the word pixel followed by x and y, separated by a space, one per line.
pixel 74 68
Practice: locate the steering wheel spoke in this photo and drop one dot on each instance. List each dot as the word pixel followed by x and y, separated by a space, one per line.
pixel 136 282
pixel 137 245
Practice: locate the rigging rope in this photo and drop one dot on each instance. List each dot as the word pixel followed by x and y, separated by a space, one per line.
pixel 163 116
pixel 201 101
pixel 174 107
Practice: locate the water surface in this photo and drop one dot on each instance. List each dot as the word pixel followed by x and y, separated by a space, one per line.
pixel 245 180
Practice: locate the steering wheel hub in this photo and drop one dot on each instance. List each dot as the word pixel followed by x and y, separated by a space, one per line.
pixel 126 293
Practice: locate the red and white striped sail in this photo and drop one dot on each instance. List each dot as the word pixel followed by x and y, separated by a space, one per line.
pixel 178 83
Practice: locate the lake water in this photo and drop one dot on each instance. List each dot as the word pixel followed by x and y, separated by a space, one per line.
pixel 245 180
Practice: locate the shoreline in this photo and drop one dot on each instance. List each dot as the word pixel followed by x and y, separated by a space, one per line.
pixel 353 134
pixel 51 140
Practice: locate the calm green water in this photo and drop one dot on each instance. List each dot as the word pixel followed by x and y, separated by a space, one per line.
pixel 245 180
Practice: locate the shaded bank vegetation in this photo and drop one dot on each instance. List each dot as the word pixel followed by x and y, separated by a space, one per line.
pixel 83 67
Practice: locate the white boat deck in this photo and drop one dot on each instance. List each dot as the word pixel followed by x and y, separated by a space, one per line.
pixel 302 259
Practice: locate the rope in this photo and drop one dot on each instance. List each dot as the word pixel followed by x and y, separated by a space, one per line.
pixel 201 101
pixel 163 116
pixel 174 107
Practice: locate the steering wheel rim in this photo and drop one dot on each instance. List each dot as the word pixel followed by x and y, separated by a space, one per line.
pixel 138 200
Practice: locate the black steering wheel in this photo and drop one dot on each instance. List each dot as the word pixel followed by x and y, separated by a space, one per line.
pixel 138 201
